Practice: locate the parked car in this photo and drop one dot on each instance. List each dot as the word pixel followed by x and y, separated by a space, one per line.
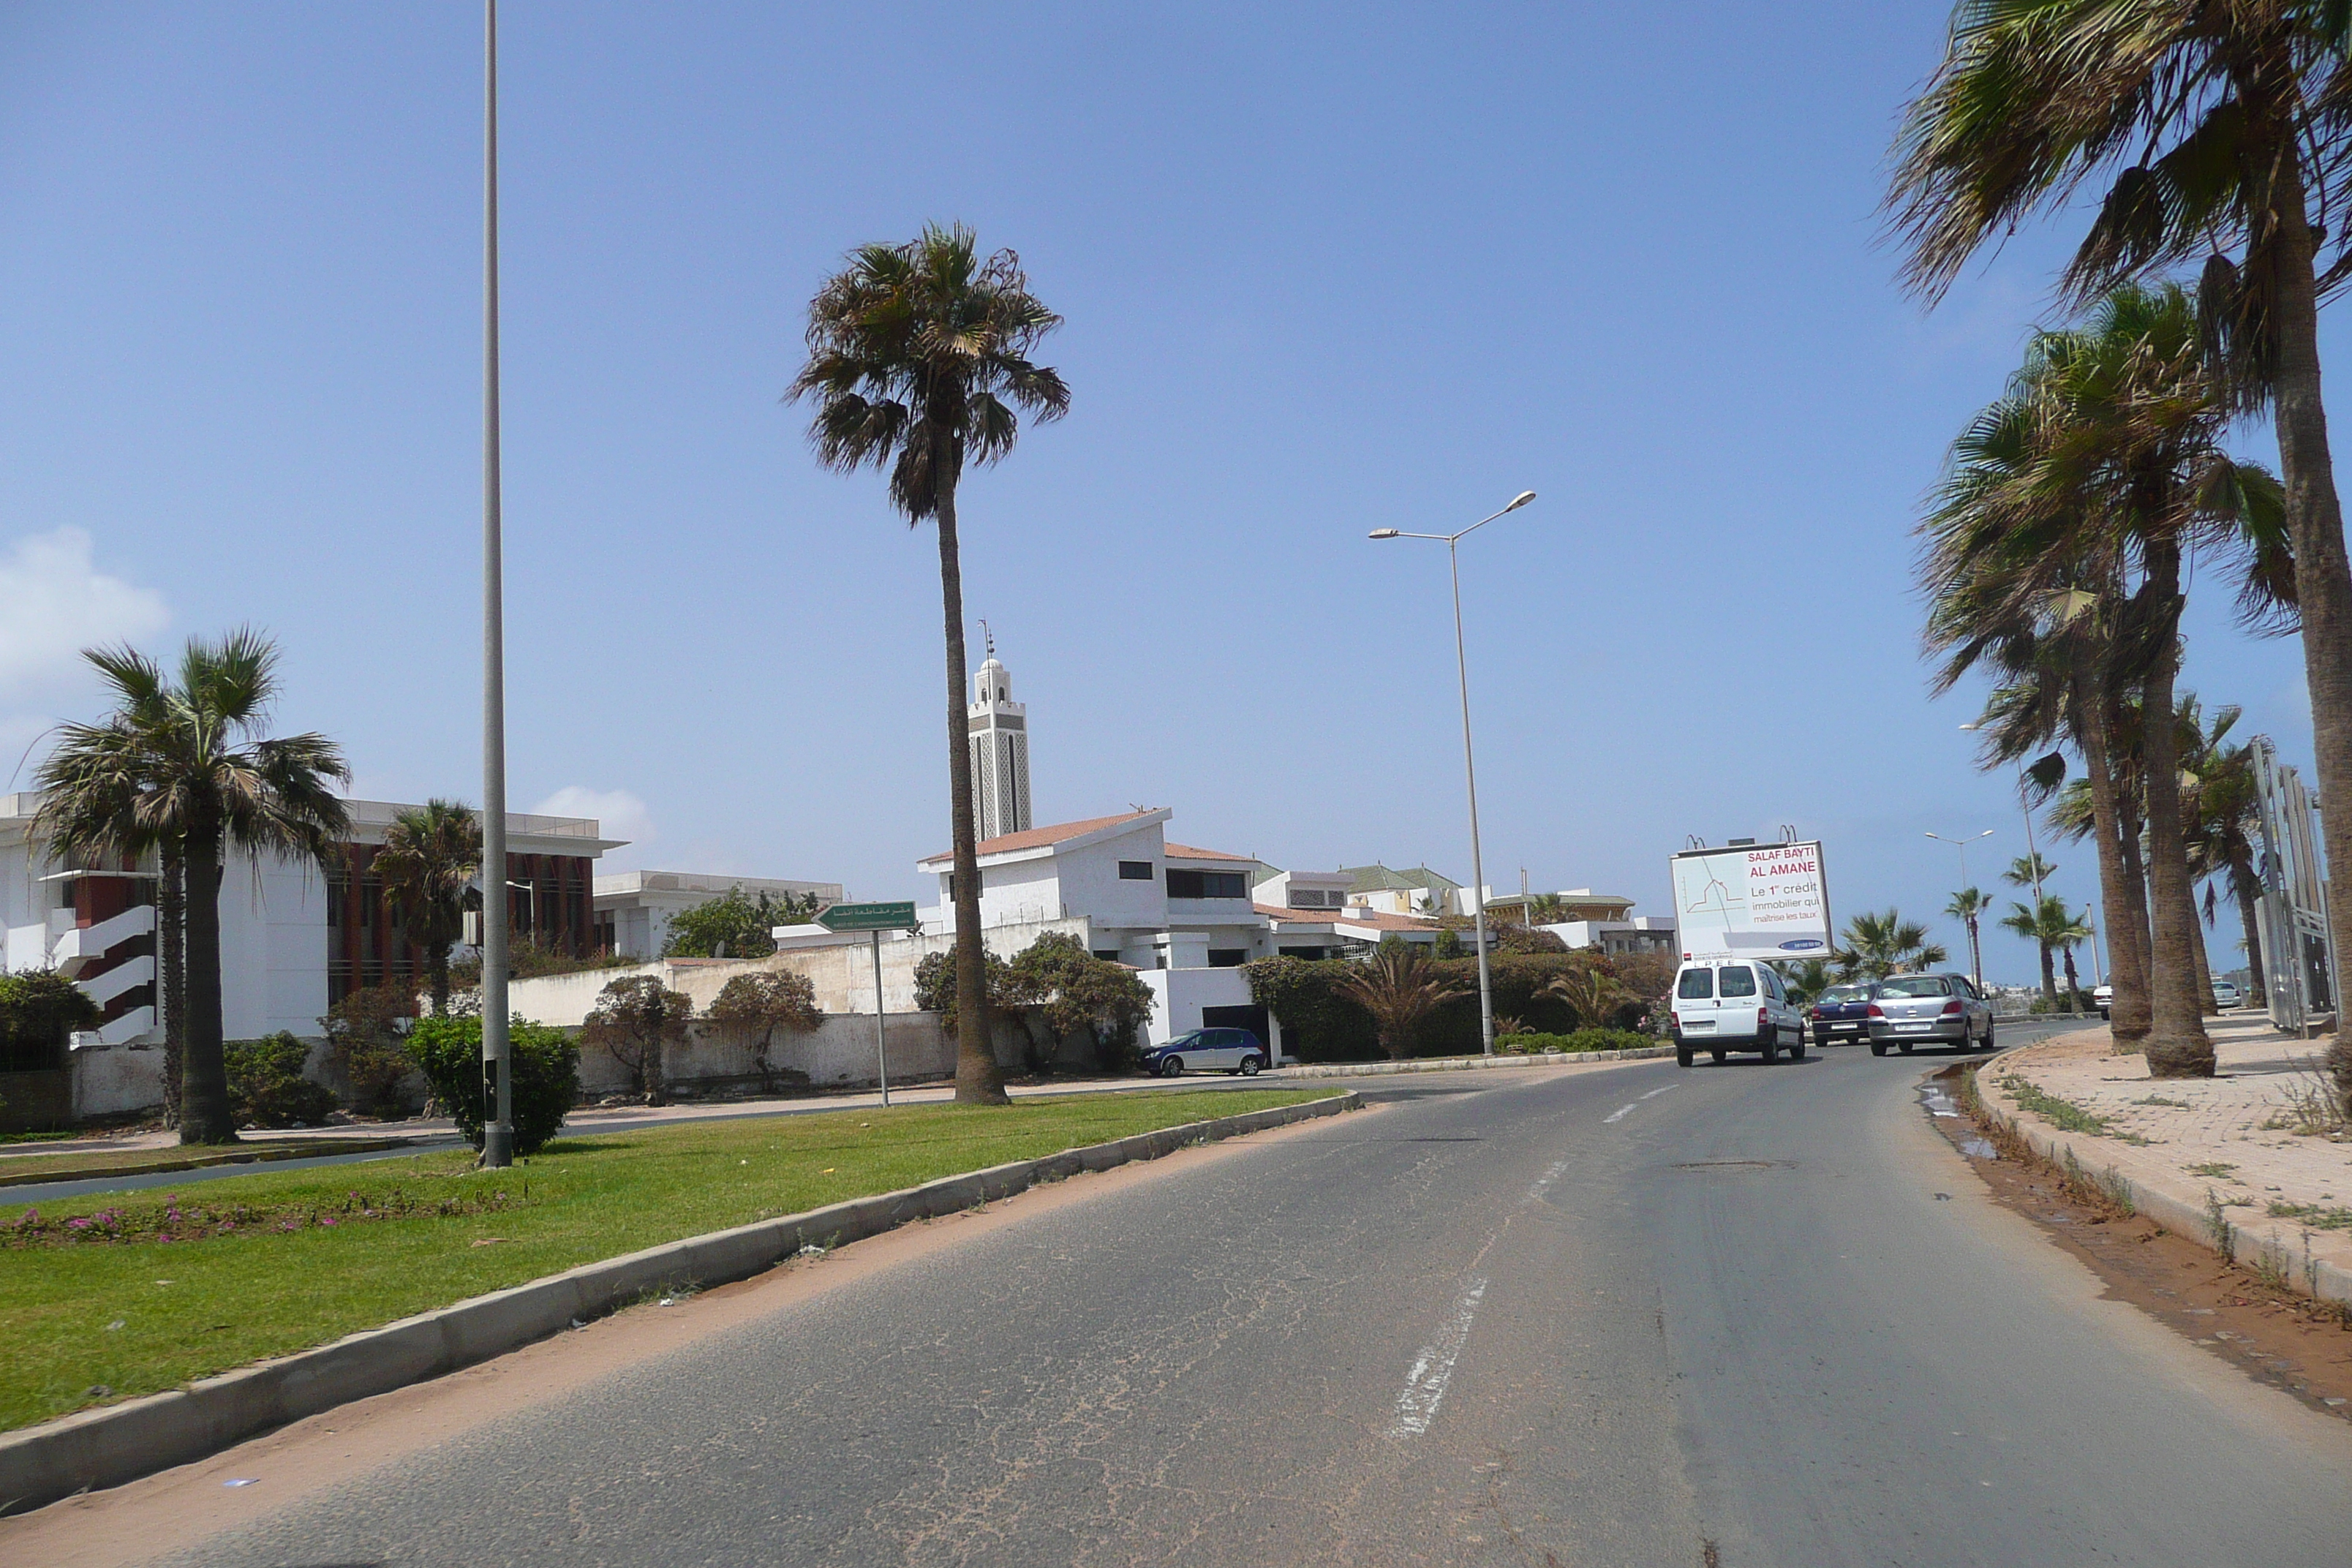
pixel 1915 1009
pixel 2103 997
pixel 2226 995
pixel 1720 1008
pixel 1207 1051
pixel 1841 1013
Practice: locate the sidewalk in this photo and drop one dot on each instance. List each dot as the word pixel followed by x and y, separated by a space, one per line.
pixel 2189 1145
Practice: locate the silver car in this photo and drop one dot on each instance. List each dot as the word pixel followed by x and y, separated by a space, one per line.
pixel 1931 1009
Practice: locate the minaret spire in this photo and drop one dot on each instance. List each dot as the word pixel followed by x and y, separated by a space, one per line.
pixel 998 734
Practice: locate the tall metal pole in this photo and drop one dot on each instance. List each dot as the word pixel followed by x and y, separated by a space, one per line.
pixel 881 1055
pixel 497 1056
pixel 1470 773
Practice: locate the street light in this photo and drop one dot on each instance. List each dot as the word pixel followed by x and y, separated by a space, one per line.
pixel 2032 855
pixel 498 1065
pixel 1469 767
pixel 1976 957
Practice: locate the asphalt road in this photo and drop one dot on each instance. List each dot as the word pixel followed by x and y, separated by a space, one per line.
pixel 1641 1317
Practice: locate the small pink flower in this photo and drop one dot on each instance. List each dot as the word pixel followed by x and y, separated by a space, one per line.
pixel 78 1224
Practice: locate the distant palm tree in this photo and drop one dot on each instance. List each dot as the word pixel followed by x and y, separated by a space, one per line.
pixel 2036 926
pixel 1401 990
pixel 2223 819
pixel 1878 945
pixel 1592 991
pixel 430 858
pixel 917 355
pixel 1546 908
pixel 1966 907
pixel 179 765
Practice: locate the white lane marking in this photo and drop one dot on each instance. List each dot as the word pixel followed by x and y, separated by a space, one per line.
pixel 1619 1114
pixel 1655 1092
pixel 1425 1386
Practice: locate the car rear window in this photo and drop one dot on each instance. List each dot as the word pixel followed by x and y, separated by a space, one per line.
pixel 1695 985
pixel 1843 994
pixel 1916 985
pixel 1736 980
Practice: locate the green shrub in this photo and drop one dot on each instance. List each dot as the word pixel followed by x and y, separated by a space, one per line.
pixel 1580 1040
pixel 266 1084
pixel 363 1037
pixel 546 1075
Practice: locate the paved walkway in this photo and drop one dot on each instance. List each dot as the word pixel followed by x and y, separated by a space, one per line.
pixel 2238 1137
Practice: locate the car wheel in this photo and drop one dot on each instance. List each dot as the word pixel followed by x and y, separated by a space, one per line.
pixel 1771 1048
pixel 1684 1055
pixel 1878 1047
pixel 1720 1054
pixel 1904 1046
pixel 1797 1051
pixel 1173 1068
pixel 1986 1043
pixel 1249 1067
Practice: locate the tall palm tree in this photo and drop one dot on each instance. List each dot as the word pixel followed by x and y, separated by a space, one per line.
pixel 2125 464
pixel 2211 124
pixel 2030 872
pixel 1968 905
pixel 918 354
pixel 181 764
pixel 1877 945
pixel 2051 927
pixel 430 858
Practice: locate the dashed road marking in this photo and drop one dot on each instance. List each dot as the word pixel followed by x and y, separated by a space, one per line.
pixel 1655 1092
pixel 1425 1386
pixel 1619 1114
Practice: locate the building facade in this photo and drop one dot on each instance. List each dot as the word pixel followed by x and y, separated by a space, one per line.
pixel 633 909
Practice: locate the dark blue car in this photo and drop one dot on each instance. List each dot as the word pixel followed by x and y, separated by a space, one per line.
pixel 1841 1013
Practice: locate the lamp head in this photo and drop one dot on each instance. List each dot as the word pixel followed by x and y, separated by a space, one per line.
pixel 1520 499
pixel 1383 533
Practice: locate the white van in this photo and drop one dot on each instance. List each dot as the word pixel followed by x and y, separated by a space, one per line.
pixel 1733 1004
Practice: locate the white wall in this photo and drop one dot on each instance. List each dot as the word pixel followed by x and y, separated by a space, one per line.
pixel 116 1082
pixel 1091 885
pixel 839 1054
pixel 273 948
pixel 1178 994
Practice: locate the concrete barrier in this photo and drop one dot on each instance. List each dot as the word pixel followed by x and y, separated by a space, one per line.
pixel 122 1442
pixel 1468 1064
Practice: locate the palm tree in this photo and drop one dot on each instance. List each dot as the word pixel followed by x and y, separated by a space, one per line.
pixel 1592 991
pixel 2040 924
pixel 1400 989
pixel 2068 932
pixel 1966 907
pixel 2211 124
pixel 430 858
pixel 2030 872
pixel 180 765
pixel 1878 945
pixel 917 355
pixel 2222 821
pixel 2126 470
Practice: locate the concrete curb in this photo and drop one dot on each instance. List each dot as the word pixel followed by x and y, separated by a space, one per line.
pixel 1470 1064
pixel 122 1442
pixel 2316 1277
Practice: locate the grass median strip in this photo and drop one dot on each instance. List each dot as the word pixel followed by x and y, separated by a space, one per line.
pixel 275 1262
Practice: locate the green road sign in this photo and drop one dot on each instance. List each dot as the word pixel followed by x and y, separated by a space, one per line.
pixel 870 917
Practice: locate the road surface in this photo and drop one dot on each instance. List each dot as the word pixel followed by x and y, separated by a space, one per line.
pixel 1641 1317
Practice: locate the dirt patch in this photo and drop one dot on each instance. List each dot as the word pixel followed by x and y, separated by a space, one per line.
pixel 2272 1334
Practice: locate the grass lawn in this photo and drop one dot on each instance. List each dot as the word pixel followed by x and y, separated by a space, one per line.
pixel 90 1322
pixel 25 1168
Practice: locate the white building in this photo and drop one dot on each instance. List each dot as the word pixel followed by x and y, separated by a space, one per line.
pixel 294 939
pixel 633 909
pixel 998 728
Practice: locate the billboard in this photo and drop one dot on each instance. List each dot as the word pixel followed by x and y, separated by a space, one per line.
pixel 1758 901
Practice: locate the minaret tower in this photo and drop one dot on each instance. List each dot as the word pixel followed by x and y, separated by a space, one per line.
pixel 998 727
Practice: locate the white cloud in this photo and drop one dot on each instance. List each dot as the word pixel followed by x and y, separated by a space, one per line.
pixel 619 814
pixel 54 603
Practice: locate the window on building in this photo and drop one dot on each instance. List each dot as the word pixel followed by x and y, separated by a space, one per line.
pixel 1135 870
pixel 1207 885
pixel 1108 955
pixel 1315 899
pixel 1228 957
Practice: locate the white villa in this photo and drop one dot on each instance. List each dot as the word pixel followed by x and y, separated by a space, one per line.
pixel 633 909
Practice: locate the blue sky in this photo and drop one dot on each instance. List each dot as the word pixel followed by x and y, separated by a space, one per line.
pixel 1341 269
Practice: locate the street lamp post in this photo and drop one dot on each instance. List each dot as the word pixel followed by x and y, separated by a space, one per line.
pixel 2025 807
pixel 1469 766
pixel 497 1064
pixel 1976 957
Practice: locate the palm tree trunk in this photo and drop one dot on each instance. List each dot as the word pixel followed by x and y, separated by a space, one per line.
pixel 2315 521
pixel 2257 992
pixel 171 954
pixel 2206 1006
pixel 2126 971
pixel 977 1080
pixel 2177 1043
pixel 436 972
pixel 2049 979
pixel 2135 885
pixel 2074 984
pixel 206 1116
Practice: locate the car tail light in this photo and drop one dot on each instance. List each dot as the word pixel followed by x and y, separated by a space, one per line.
pixel 1952 1007
pixel 1814 1014
pixel 1677 1017
pixel 1763 1016
pixel 1876 1011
